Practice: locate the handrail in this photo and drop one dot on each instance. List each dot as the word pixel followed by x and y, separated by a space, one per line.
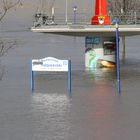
pixel 81 18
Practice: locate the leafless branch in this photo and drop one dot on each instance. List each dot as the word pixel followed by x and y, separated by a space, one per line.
pixel 2 71
pixel 7 5
pixel 6 46
pixel 123 7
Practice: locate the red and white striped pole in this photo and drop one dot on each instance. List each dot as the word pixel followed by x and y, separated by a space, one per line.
pixel 100 17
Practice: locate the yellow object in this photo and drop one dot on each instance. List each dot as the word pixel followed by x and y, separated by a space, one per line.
pixel 107 64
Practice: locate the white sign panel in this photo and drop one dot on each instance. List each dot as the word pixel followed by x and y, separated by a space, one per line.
pixel 49 64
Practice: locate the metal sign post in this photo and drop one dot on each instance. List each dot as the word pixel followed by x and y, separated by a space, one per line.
pixel 117 55
pixel 69 77
pixel 53 65
pixel 32 77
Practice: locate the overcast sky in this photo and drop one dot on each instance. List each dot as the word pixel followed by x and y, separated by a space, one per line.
pixel 30 6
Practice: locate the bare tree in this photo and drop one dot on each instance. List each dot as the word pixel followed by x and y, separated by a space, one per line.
pixel 5 46
pixel 124 8
pixel 5 6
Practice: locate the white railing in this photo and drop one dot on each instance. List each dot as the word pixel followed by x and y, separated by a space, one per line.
pixel 80 19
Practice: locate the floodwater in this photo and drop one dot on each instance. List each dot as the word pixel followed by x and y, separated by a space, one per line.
pixel 93 112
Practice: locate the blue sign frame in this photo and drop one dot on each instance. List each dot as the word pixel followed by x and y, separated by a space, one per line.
pixel 68 73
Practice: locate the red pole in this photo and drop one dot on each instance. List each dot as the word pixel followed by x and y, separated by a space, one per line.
pixel 100 16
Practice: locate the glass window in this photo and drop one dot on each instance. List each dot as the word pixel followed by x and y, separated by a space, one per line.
pixel 109 48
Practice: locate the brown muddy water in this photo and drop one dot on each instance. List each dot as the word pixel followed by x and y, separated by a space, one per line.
pixel 94 112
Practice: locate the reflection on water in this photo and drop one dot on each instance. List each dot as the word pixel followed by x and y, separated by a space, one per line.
pixel 51 112
pixel 50 100
pixel 101 73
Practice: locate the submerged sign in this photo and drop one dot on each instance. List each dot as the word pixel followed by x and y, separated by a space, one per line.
pixel 49 64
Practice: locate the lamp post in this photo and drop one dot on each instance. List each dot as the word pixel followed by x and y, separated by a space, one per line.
pixel 66 16
pixel 52 18
pixel 74 13
pixel 116 21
